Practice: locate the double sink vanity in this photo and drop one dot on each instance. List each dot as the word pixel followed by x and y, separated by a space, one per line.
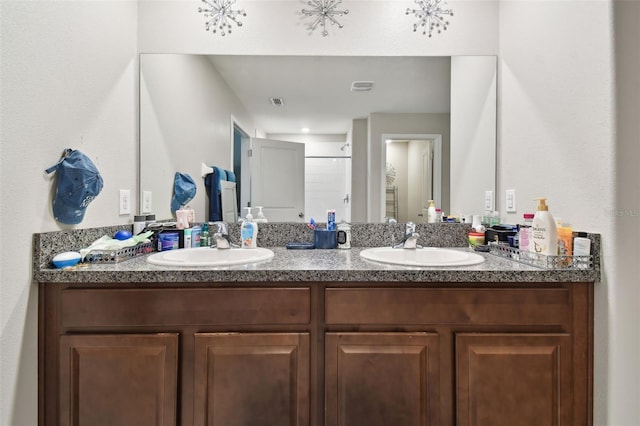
pixel 315 337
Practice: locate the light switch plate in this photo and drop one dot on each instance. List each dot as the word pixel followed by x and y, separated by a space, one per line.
pixel 147 205
pixel 488 201
pixel 125 201
pixel 510 200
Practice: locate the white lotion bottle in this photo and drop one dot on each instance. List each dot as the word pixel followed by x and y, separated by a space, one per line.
pixel 544 234
pixel 249 231
pixel 431 213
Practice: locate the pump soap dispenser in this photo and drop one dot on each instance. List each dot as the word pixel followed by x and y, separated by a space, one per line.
pixel 544 234
pixel 249 231
pixel 261 218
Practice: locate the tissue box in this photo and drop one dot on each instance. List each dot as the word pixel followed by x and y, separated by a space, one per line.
pixel 499 233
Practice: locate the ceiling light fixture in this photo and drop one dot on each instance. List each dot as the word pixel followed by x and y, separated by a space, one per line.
pixel 361 86
pixel 323 11
pixel 430 15
pixel 221 14
pixel 305 130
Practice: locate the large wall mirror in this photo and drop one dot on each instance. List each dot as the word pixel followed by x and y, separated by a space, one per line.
pixel 426 129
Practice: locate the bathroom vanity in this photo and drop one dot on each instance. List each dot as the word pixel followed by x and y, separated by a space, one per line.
pixel 319 337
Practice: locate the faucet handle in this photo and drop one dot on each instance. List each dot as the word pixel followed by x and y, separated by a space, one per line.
pixel 221 227
pixel 410 228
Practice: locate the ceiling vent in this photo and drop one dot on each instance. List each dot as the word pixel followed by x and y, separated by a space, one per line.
pixel 277 102
pixel 361 86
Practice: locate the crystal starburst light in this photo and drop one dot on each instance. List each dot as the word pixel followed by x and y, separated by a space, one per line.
pixel 221 16
pixel 323 11
pixel 430 15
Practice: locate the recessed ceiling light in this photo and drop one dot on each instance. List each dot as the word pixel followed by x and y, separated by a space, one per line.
pixel 361 86
pixel 305 130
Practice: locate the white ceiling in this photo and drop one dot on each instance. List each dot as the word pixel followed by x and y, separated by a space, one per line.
pixel 316 89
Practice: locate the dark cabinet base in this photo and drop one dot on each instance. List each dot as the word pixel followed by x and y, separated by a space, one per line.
pixel 334 354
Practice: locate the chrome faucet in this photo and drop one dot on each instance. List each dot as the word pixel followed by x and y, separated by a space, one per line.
pixel 410 237
pixel 220 238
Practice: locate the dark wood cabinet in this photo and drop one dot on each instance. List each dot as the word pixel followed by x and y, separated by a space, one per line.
pixel 258 379
pixel 379 379
pixel 118 379
pixel 314 354
pixel 517 379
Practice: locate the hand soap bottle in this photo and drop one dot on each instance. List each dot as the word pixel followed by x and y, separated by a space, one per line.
pixel 431 212
pixel 544 234
pixel 249 231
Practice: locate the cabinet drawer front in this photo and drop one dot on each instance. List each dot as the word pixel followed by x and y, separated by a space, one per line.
pixel 211 306
pixel 447 306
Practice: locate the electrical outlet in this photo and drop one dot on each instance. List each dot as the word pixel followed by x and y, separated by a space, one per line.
pixel 125 201
pixel 510 200
pixel 488 201
pixel 146 202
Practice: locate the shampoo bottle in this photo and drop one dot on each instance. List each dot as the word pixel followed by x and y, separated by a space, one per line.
pixel 249 231
pixel 431 213
pixel 544 235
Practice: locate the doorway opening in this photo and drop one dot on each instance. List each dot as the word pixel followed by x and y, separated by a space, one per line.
pixel 240 162
pixel 413 176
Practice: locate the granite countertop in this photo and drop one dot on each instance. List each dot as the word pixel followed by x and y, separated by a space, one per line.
pixel 303 266
pixel 313 266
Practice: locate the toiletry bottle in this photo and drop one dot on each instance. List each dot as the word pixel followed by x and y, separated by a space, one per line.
pixel 544 235
pixel 187 238
pixel 565 240
pixel 525 232
pixel 344 235
pixel 249 231
pixel 581 250
pixel 139 223
pixel 261 218
pixel 431 213
pixel 331 220
pixel 205 238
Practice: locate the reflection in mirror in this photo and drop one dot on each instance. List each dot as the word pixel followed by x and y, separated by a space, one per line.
pixel 191 104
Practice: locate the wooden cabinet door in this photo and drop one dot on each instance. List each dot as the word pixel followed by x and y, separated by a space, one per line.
pixel 381 379
pixel 118 380
pixel 514 379
pixel 251 379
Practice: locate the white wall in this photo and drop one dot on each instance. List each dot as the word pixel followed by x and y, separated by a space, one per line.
pixel 473 132
pixel 69 79
pixel 183 125
pixel 68 71
pixel 558 138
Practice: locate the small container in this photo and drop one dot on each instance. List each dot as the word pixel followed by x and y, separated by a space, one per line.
pixel 139 223
pixel 324 239
pixel 187 237
pixel 195 236
pixel 344 236
pixel 476 239
pixel 168 241
pixel 331 220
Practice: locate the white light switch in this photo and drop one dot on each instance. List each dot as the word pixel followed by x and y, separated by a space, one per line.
pixel 125 201
pixel 488 201
pixel 510 200
pixel 147 206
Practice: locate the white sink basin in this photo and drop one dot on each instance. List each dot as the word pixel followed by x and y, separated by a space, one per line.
pixel 428 256
pixel 205 256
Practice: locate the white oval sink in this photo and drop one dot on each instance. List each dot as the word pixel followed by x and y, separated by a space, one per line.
pixel 427 256
pixel 206 256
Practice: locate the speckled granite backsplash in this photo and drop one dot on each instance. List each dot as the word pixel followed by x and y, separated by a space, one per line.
pixel 48 244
